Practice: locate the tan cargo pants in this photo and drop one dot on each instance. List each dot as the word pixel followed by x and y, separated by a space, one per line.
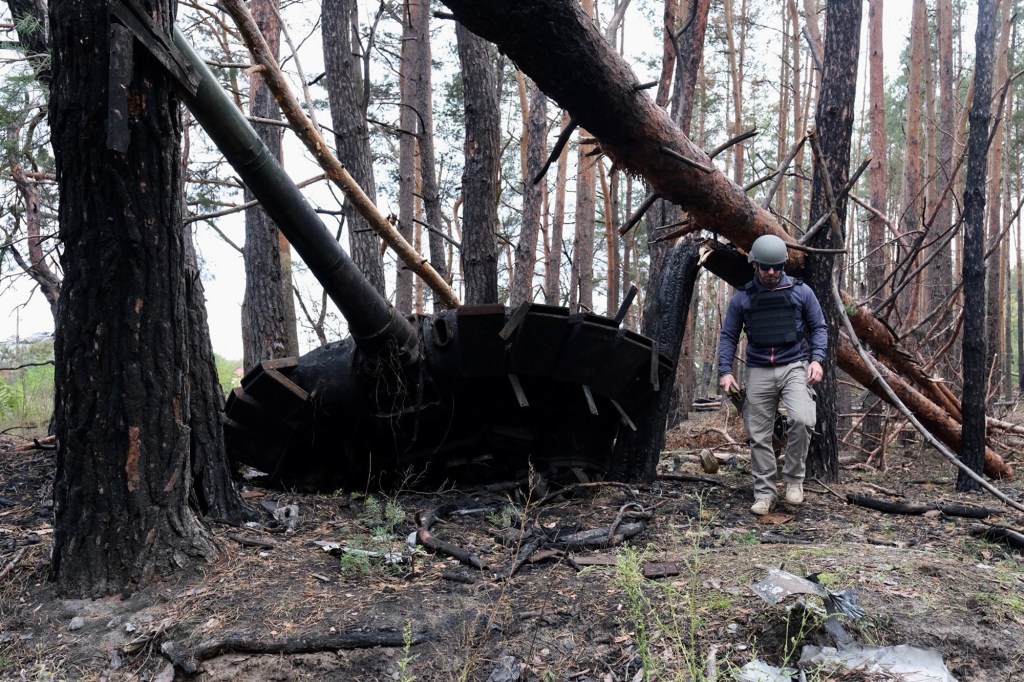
pixel 766 388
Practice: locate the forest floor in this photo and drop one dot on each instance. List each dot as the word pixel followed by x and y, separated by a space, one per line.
pixel 284 604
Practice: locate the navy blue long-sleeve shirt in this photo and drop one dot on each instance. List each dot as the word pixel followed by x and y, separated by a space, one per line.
pixel 813 341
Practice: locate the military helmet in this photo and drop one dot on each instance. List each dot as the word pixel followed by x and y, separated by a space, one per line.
pixel 768 249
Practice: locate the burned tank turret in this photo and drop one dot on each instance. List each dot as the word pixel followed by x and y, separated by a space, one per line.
pixel 479 391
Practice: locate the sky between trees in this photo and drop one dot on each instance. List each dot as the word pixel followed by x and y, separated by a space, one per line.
pixel 23 314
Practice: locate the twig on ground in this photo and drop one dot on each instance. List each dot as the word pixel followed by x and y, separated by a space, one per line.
pixel 693 478
pixel 423 537
pixel 14 560
pixel 578 486
pixel 525 552
pixel 187 657
pixel 880 489
pixel 819 482
pixel 250 542
pixel 599 537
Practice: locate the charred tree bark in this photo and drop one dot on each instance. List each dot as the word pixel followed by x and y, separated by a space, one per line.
pixel 214 495
pixel 480 173
pixel 123 421
pixel 974 368
pixel 265 335
pixel 689 53
pixel 637 452
pixel 348 94
pixel 833 128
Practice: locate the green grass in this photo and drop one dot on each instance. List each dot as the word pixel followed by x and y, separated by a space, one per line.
pixel 666 619
pixel 26 393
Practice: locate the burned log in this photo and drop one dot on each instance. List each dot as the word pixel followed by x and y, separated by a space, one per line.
pixel 917 509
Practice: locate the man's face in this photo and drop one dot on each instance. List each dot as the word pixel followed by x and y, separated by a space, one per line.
pixel 771 276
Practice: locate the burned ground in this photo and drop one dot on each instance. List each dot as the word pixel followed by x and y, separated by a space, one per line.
pixel 298 604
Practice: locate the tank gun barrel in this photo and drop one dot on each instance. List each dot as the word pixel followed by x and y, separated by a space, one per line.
pixel 372 320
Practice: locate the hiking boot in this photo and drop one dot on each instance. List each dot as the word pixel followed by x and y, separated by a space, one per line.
pixel 795 493
pixel 762 506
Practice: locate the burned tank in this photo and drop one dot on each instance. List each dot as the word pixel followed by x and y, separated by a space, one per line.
pixel 474 393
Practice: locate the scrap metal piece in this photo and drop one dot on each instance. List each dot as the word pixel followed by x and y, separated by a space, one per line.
pixel 779 584
pixel 903 662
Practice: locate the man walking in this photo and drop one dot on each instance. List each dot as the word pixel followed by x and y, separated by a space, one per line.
pixel 786 343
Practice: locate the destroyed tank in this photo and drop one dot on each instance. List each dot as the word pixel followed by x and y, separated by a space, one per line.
pixel 475 393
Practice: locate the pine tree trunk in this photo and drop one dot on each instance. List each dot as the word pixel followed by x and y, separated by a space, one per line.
pixel 910 213
pixel 123 481
pixel 875 260
pixel 265 335
pixel 796 214
pixel 581 291
pixel 480 173
pixel 406 159
pixel 939 274
pixel 613 219
pixel 995 277
pixel 348 96
pixel 972 446
pixel 834 127
pixel 214 495
pixel 536 152
pixel 419 54
pixel 552 283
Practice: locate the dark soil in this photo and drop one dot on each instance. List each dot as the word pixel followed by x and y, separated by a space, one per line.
pixel 278 606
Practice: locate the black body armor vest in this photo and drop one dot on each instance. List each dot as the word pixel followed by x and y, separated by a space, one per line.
pixel 770 320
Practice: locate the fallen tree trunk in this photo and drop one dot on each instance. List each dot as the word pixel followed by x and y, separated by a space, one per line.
pixel 559 47
pixel 933 417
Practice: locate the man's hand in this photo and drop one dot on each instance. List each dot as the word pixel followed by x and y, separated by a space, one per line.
pixel 815 373
pixel 728 383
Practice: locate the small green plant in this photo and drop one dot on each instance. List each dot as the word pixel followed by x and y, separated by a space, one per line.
pixel 629 576
pixel 807 622
pixel 355 566
pixel 382 519
pixel 502 518
pixel 381 546
pixel 407 656
pixel 372 512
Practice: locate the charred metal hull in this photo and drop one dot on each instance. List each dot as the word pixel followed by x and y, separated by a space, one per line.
pixel 476 392
pixel 494 393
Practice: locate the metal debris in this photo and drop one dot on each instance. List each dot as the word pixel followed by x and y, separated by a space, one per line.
pixel 903 662
pixel 779 584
